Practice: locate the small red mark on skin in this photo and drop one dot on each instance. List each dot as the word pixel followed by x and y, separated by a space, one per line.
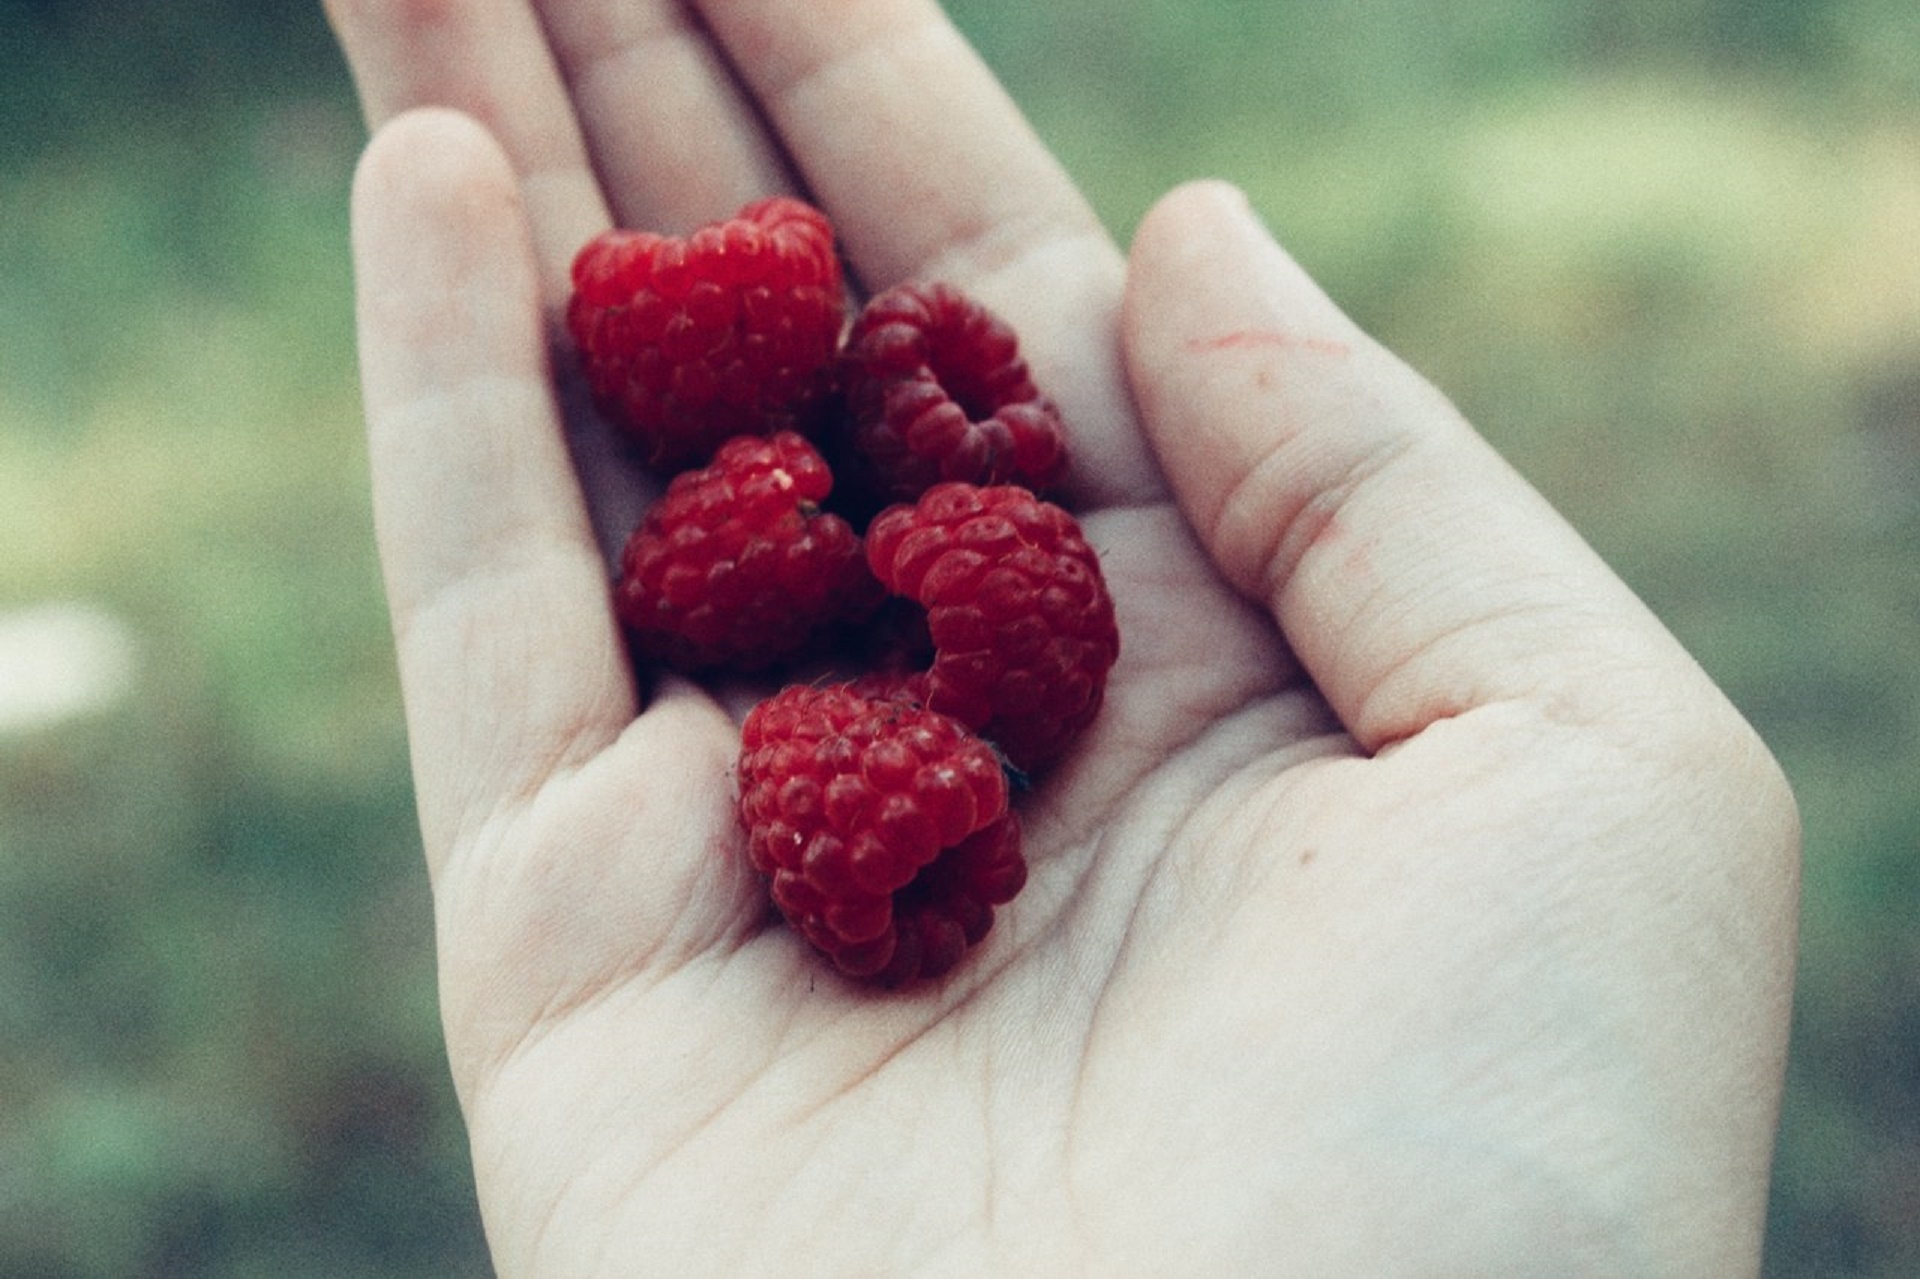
pixel 1241 339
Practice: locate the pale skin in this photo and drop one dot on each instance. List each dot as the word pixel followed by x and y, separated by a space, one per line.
pixel 1416 905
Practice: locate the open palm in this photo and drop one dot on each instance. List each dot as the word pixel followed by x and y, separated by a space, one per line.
pixel 1414 906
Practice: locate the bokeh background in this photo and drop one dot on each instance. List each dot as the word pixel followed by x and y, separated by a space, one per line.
pixel 1665 252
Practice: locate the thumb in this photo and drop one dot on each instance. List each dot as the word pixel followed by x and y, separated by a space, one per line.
pixel 1412 571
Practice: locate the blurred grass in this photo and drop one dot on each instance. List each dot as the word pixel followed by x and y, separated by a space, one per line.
pixel 1666 255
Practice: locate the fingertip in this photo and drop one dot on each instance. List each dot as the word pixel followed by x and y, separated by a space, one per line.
pixel 1203 250
pixel 433 156
pixel 1232 350
pixel 442 253
pixel 1191 231
pixel 1188 207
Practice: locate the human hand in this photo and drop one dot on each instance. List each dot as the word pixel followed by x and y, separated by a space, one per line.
pixel 1415 904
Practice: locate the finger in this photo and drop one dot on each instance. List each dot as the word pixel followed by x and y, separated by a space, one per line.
pixel 1414 574
pixel 674 139
pixel 487 59
pixel 931 172
pixel 510 662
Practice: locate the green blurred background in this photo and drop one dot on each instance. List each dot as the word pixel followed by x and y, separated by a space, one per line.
pixel 1665 252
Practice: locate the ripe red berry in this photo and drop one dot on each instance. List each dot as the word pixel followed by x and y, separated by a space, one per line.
pixel 735 566
pixel 729 331
pixel 883 827
pixel 1022 625
pixel 936 390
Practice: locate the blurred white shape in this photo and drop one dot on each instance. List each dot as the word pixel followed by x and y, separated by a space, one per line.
pixel 60 661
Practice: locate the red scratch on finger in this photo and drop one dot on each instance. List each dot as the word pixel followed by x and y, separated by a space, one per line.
pixel 1240 339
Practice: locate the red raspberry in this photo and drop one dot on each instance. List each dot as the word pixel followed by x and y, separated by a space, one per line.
pixel 882 826
pixel 730 331
pixel 1022 625
pixel 937 390
pixel 736 566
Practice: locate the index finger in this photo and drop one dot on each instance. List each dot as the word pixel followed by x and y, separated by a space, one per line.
pixel 930 171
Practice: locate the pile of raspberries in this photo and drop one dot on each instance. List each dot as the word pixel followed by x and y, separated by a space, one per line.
pixel 867 495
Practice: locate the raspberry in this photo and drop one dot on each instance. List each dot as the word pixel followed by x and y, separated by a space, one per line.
pixel 936 390
pixel 735 566
pixel 1022 626
pixel 729 331
pixel 883 827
